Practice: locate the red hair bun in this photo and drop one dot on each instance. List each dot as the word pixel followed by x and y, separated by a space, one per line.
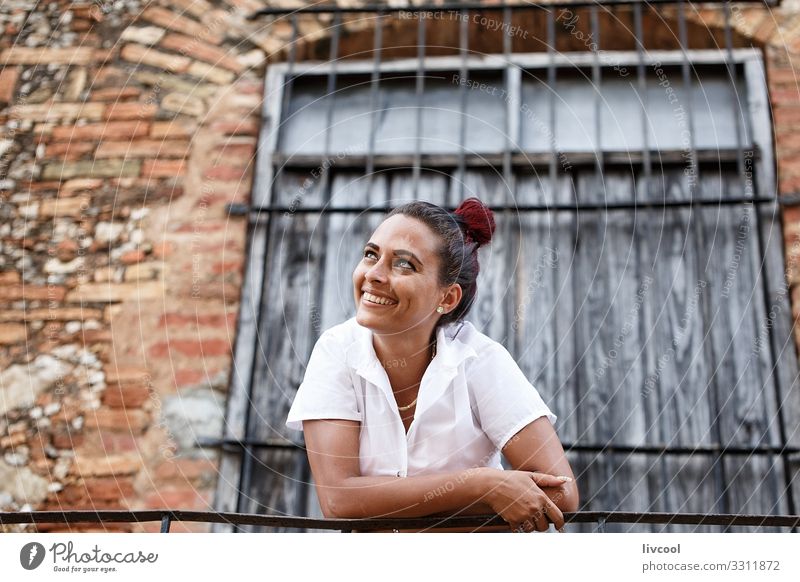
pixel 479 220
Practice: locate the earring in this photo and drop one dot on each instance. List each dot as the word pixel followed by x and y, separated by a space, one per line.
pixel 440 309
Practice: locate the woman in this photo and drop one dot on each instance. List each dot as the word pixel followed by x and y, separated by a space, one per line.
pixel 406 407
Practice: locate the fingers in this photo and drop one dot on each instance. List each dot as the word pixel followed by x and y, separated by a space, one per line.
pixel 547 480
pixel 554 514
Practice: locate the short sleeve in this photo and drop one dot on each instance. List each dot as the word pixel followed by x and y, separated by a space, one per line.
pixel 327 390
pixel 504 400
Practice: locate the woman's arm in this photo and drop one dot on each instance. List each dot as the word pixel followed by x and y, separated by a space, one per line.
pixel 333 453
pixel 537 448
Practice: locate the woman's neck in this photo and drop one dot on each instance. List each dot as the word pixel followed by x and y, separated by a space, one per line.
pixel 404 355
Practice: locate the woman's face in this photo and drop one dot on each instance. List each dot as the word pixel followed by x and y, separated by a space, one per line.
pixel 400 266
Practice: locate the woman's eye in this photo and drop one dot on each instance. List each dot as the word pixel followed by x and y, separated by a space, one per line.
pixel 368 253
pixel 406 264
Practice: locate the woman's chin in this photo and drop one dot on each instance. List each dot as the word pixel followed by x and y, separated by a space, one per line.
pixel 367 318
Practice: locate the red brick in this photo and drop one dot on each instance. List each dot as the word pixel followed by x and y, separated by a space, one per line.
pixel 242 151
pixel 172 21
pixel 186 470
pixel 165 129
pixel 185 378
pixel 108 488
pixel 248 87
pixel 111 78
pixel 197 49
pixel 218 320
pixel 82 55
pixel 785 96
pixel 163 168
pixel 108 130
pixel 226 173
pixel 188 498
pixel 132 257
pixel 13 333
pixel 41 186
pixel 115 94
pixel 790 185
pixel 68 151
pixel 192 226
pixel 118 442
pixel 9 277
pixel 782 76
pixel 132 110
pixel 791 215
pixel 789 165
pixel 32 293
pixel 143 148
pixel 226 267
pixel 66 439
pixel 199 348
pixel 246 126
pixel 163 249
pixel 788 143
pixel 142 55
pixel 126 395
pixel 114 419
pixel 786 115
pixel 8 82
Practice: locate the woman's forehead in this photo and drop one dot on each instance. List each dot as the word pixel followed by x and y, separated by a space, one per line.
pixel 404 232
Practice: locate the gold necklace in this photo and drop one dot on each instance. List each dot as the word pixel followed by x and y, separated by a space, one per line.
pixel 407 406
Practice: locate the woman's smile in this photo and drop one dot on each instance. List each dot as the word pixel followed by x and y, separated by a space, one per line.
pixel 375 301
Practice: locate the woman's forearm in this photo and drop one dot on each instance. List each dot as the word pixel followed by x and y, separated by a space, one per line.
pixel 419 496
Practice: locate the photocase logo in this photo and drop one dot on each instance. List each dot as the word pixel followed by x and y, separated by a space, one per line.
pixel 31 555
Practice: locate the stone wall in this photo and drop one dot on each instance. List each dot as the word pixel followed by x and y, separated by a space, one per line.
pixel 125 129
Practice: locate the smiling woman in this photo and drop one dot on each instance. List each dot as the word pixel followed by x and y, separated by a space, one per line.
pixel 407 407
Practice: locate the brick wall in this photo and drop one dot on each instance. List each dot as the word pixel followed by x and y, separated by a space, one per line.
pixel 123 134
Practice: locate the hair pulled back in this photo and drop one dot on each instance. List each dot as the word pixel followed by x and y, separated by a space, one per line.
pixel 461 232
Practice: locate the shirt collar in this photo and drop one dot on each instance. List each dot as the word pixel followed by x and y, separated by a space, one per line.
pixel 450 353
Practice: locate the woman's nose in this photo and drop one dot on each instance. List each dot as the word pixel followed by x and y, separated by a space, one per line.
pixel 376 272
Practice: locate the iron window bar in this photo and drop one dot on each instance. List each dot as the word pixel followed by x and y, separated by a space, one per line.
pixel 519 160
pixel 232 444
pixel 168 516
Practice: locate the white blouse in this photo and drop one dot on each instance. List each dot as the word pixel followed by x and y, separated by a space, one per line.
pixel 472 399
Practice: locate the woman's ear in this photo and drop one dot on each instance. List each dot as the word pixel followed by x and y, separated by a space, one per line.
pixel 451 298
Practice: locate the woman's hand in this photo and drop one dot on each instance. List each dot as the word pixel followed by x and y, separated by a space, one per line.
pixel 517 497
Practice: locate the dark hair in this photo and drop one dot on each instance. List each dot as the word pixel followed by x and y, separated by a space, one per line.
pixel 461 232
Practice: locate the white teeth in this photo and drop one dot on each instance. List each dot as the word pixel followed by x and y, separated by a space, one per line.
pixel 379 300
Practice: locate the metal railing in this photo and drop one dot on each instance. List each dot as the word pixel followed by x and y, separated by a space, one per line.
pixel 167 516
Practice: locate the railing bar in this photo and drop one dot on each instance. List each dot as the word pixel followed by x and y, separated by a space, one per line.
pixel 165 523
pixel 113 516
